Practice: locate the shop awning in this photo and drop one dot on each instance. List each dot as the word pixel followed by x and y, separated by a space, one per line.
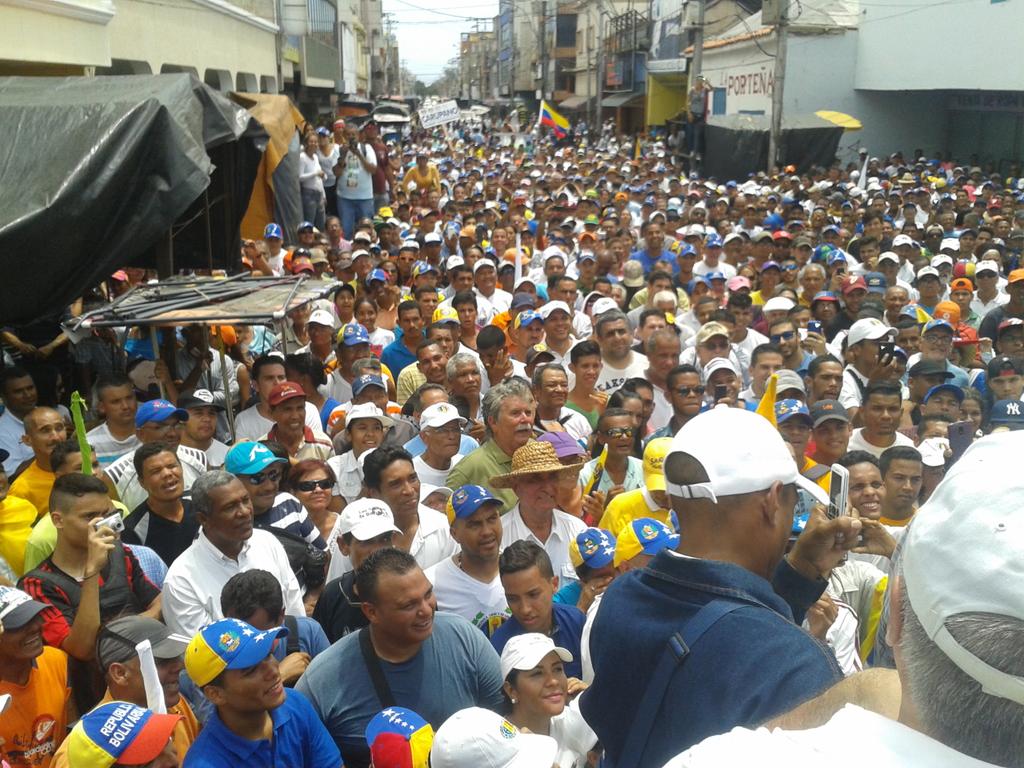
pixel 623 99
pixel 840 119
pixel 573 102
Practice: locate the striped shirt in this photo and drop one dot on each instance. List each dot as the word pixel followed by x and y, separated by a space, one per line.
pixel 124 477
pixel 108 448
pixel 288 514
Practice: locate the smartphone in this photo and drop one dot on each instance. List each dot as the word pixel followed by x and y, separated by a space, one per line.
pixel 886 352
pixel 721 392
pixel 838 492
pixel 814 326
pixel 961 435
pixel 113 522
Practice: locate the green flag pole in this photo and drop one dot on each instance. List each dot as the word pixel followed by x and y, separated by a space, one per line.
pixel 77 416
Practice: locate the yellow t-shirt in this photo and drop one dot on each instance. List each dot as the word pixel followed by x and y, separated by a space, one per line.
pixel 34 485
pixel 36 724
pixel 185 732
pixel 17 516
pixel 431 180
pixel 630 506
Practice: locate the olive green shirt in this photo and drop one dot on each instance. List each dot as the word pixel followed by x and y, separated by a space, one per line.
pixel 479 467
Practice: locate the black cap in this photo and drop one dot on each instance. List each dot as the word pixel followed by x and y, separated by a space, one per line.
pixel 929 368
pixel 1003 365
pixel 200 398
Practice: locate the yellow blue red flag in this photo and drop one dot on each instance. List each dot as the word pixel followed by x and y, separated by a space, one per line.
pixel 558 124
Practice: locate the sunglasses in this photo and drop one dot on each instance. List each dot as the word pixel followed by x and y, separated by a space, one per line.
pixel 307 486
pixel 273 475
pixel 786 336
pixel 619 432
pixel 687 391
pixel 789 267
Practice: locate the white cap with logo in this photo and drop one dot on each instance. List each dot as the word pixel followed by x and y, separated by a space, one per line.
pixel 868 329
pixel 525 652
pixel 479 738
pixel 439 414
pixel 734 467
pixel 962 553
pixel 367 519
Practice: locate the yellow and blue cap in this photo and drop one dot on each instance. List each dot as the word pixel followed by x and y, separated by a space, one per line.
pixel 467 500
pixel 643 536
pixel 791 408
pixel 351 334
pixel 526 317
pixel 593 547
pixel 445 315
pixel 399 738
pixel 228 644
pixel 119 733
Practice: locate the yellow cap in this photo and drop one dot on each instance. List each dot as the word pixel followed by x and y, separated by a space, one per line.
pixel 446 314
pixel 654 463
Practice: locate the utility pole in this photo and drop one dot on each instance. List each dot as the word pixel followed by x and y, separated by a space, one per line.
pixel 775 134
pixel 697 62
pixel 600 73
pixel 543 49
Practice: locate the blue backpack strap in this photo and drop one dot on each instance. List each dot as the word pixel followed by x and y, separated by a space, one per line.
pixel 675 653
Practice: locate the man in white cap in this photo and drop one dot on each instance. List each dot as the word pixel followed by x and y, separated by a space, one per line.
pixel 955 626
pixel 727 595
pixel 441 431
pixel 865 364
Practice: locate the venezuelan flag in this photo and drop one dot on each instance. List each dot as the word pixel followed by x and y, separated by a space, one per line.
pixel 558 124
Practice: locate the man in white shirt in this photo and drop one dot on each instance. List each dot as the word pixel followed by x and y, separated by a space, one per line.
pixel 114 399
pixel 534 479
pixel 862 349
pixel 619 361
pixel 254 422
pixel 880 414
pixel 551 390
pixel 485 278
pixel 441 431
pixel 227 544
pixel 389 475
pixel 988 295
pixel 467 583
pixel 357 162
pixel 20 397
pixel 956 698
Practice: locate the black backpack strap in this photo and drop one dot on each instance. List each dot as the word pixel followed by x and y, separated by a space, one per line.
pixel 817 472
pixel 380 683
pixel 676 652
pixel 293 634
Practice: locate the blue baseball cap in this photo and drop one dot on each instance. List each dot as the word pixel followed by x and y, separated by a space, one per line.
pixel 159 411
pixel 715 276
pixel 352 334
pixel 713 241
pixel 643 536
pixel 876 282
pixel 228 644
pixel 467 500
pixel 825 296
pixel 953 389
pixel 304 225
pixel 377 274
pixel 528 316
pixel 367 380
pixel 423 268
pixel 788 409
pixel 249 458
pixel 837 258
pixel 273 230
pixel 770 265
pixel 938 323
pixel 1007 413
pixel 592 547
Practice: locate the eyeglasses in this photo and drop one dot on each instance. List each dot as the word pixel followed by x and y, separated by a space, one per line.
pixel 308 486
pixel 785 336
pixel 687 391
pixel 273 475
pixel 615 432
pixel 938 339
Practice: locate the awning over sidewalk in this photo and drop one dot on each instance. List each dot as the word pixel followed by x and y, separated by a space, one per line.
pixel 573 102
pixel 624 99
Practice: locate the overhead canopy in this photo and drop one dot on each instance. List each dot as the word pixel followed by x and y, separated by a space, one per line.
pixel 623 99
pixel 99 170
pixel 573 102
pixel 242 299
pixel 738 144
pixel 840 119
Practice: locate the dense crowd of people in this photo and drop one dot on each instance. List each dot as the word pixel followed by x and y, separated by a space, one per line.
pixel 544 483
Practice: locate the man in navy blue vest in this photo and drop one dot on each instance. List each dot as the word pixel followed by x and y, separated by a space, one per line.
pixel 726 594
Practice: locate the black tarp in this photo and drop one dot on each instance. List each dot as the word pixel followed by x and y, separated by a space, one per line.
pixel 95 172
pixel 737 145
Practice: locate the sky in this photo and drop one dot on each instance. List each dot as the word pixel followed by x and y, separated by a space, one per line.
pixel 428 33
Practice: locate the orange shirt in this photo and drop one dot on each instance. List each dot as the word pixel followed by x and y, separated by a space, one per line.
pixel 36 722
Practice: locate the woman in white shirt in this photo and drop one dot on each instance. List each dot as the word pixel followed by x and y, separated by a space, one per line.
pixel 365 425
pixel 311 183
pixel 539 693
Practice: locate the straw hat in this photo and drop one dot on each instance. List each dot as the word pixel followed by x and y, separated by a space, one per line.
pixel 534 458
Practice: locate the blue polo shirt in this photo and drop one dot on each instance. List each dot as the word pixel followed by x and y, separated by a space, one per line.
pixel 666 257
pixel 566 630
pixel 300 741
pixel 397 357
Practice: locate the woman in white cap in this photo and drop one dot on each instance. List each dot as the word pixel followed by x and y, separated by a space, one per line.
pixel 476 737
pixel 539 694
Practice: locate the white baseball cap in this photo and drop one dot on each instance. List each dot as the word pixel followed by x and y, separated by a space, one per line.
pixel 734 467
pixel 961 553
pixel 551 306
pixel 868 329
pixel 927 272
pixel 454 261
pixel 942 258
pixel 483 264
pixel 902 240
pixel 778 304
pixel 367 411
pixel 950 244
pixel 479 738
pixel 719 364
pixel 431 238
pixel 524 652
pixel 439 414
pixel 602 305
pixel 321 317
pixel 366 519
pixel 889 256
pixel 986 266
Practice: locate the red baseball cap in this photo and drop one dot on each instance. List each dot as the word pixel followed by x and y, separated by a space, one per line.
pixel 852 283
pixel 286 390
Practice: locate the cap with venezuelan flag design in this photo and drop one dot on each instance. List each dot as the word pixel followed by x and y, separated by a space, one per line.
pixel 228 644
